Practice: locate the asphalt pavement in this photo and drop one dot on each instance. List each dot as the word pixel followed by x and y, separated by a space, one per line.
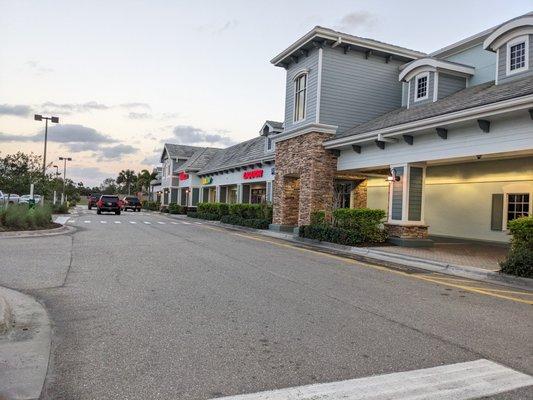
pixel 145 306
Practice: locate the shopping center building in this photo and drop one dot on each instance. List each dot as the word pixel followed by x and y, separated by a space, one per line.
pixel 443 141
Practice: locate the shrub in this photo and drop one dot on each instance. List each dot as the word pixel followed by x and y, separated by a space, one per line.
pixel 193 214
pixel 365 221
pixel 21 217
pixel 174 208
pixel 60 208
pixel 257 223
pixel 214 208
pixel 252 211
pixel 519 261
pixel 335 234
pixel 318 217
pixel 151 205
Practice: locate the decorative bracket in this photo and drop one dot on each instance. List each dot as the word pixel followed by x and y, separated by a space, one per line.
pixel 484 125
pixel 380 144
pixel 409 139
pixel 347 48
pixel 356 148
pixel 443 133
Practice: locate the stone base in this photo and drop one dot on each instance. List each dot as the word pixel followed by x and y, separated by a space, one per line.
pixel 282 228
pixel 409 235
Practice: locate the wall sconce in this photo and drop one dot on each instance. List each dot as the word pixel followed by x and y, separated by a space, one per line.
pixel 392 176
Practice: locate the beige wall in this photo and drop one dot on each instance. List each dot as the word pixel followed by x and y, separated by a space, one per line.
pixel 458 197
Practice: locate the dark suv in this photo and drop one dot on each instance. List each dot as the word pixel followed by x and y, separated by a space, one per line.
pixel 92 199
pixel 108 203
pixel 132 203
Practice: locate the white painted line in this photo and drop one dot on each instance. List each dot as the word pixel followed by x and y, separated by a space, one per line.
pixel 186 223
pixel 103 222
pixel 162 223
pixel 61 220
pixel 133 222
pixel 462 381
pixel 146 222
pixel 87 222
pixel 174 223
pixel 118 222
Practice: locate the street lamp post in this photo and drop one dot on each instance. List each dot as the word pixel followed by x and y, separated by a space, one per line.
pixel 64 159
pixel 55 120
pixel 57 170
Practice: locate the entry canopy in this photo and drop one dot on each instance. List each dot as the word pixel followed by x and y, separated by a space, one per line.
pixel 508 31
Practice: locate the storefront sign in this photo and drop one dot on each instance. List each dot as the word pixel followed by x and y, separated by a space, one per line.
pixel 183 176
pixel 255 173
pixel 207 180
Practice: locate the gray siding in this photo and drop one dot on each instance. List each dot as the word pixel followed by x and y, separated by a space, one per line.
pixel 482 60
pixel 355 89
pixel 431 82
pixel 502 64
pixel 397 196
pixel 415 194
pixel 449 84
pixel 311 63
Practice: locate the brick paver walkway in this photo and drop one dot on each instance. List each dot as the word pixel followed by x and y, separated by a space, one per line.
pixel 484 256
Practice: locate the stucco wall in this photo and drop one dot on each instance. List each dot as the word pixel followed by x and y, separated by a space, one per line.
pixel 458 198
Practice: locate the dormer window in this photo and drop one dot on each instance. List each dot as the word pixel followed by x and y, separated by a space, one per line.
pixel 421 87
pixel 300 89
pixel 517 55
pixel 270 145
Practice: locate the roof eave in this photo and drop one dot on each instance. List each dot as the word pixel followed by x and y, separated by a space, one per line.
pixel 267 157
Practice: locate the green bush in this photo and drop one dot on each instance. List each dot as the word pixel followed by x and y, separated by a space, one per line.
pixel 21 217
pixel 318 217
pixel 337 235
pixel 193 214
pixel 366 221
pixel 257 223
pixel 60 208
pixel 519 261
pixel 150 205
pixel 214 208
pixel 251 211
pixel 174 208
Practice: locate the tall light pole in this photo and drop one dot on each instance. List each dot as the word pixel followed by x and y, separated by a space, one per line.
pixel 64 159
pixel 55 120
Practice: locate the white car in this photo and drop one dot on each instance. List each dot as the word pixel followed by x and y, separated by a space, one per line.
pixel 10 198
pixel 26 198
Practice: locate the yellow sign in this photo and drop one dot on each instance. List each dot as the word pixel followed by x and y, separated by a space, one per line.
pixel 207 180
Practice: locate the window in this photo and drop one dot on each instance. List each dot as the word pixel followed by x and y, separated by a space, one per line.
pixel 269 144
pixel 517 55
pixel 517 205
pixel 421 87
pixel 300 89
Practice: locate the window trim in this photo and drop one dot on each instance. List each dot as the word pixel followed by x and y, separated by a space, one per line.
pixel 417 77
pixel 517 40
pixel 269 139
pixel 506 204
pixel 295 80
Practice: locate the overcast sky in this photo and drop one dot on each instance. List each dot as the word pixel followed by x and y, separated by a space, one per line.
pixel 126 75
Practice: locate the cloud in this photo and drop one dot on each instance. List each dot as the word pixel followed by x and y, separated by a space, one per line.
pixel 72 133
pixel 145 106
pixel 215 29
pixel 38 68
pixel 136 115
pixel 69 108
pixel 19 110
pixel 357 20
pixel 185 134
pixel 90 176
pixel 116 151
pixel 81 147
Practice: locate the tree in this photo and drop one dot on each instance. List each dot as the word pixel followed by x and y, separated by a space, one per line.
pixel 127 177
pixel 108 186
pixel 143 180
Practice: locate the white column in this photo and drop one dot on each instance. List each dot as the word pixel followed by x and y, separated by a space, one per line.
pixel 217 195
pixel 239 193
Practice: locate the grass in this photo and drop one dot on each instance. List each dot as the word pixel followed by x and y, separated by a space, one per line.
pixel 20 218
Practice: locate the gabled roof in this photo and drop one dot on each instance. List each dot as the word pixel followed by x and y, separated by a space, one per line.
pixel 249 151
pixel 178 150
pixel 320 33
pixel 200 159
pixel 472 97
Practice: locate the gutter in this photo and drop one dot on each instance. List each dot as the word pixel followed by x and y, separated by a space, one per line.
pixel 437 121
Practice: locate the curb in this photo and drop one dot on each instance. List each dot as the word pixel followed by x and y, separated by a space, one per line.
pixel 25 348
pixel 5 316
pixel 37 233
pixel 398 261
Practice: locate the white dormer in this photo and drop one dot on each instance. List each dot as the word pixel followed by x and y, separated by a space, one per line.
pixel 512 42
pixel 269 130
pixel 430 79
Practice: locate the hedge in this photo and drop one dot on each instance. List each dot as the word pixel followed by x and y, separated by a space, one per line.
pixel 257 223
pixel 251 211
pixel 150 205
pixel 519 261
pixel 174 208
pixel 21 217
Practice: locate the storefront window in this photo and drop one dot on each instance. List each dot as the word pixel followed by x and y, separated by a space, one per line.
pixel 343 193
pixel 212 195
pixel 258 195
pixel 232 195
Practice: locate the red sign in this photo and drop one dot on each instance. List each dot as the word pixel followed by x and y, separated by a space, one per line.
pixel 255 173
pixel 183 176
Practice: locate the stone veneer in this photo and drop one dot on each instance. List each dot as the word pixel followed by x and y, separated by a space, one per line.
pixel 305 172
pixel 359 195
pixel 407 231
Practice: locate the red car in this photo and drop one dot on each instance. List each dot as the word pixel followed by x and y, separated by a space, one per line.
pixel 132 203
pixel 92 199
pixel 109 203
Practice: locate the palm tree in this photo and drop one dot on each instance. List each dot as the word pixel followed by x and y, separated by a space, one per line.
pixel 127 177
pixel 144 178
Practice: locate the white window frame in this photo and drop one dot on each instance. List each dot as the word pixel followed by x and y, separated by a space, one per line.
pixel 506 205
pixel 295 80
pixel 520 39
pixel 415 94
pixel 269 139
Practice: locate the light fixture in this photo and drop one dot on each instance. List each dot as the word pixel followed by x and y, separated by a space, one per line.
pixel 393 177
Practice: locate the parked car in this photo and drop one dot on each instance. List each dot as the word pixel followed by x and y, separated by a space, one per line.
pixel 92 199
pixel 9 198
pixel 131 203
pixel 27 197
pixel 108 203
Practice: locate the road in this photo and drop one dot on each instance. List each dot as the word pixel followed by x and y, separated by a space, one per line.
pixel 149 307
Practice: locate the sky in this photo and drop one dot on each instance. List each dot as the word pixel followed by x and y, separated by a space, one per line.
pixel 124 77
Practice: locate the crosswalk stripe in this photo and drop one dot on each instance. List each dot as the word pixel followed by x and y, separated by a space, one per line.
pixel 174 223
pixel 147 223
pixel 87 222
pixel 133 222
pixel 118 222
pixel 462 381
pixel 186 223
pixel 103 222
pixel 159 222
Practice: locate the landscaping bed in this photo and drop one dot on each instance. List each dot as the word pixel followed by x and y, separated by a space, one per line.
pixel 519 261
pixel 258 216
pixel 23 218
